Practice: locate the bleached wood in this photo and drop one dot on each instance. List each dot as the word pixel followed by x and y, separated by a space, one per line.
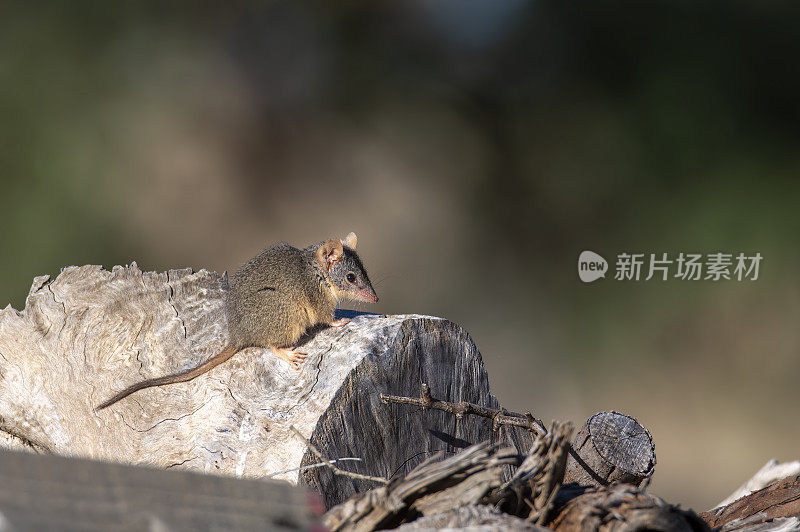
pixel 772 471
pixel 91 332
pixel 779 499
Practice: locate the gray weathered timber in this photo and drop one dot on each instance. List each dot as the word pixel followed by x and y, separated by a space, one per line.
pixel 56 493
pixel 423 350
pixel 91 332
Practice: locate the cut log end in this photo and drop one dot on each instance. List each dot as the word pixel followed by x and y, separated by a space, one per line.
pixel 611 448
pixel 436 352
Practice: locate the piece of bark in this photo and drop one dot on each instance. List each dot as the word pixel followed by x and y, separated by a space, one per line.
pixel 472 477
pixel 780 499
pixel 531 490
pixel 473 518
pixel 769 473
pixel 611 448
pixel 435 486
pixel 760 523
pixel 91 332
pixel 623 507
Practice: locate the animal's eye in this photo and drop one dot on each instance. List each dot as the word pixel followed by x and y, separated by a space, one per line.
pixel 351 277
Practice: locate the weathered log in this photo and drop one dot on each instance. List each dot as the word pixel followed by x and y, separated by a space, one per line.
pixel 89 333
pixel 611 448
pixel 57 493
pixel 394 439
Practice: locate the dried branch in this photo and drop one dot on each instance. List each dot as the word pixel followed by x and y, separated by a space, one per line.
pixel 498 416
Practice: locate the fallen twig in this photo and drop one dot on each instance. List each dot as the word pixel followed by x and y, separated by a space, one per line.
pixel 335 469
pixel 311 466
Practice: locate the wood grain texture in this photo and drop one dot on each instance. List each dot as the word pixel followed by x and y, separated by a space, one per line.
pixel 435 486
pixel 65 494
pixel 779 499
pixel 611 448
pixel 473 518
pixel 623 507
pixel 91 332
pixel 769 473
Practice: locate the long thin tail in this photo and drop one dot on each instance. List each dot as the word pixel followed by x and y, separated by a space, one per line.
pixel 182 376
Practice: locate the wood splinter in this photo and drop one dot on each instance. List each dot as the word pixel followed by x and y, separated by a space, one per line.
pixel 499 416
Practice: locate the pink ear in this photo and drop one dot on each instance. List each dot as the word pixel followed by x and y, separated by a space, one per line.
pixel 330 253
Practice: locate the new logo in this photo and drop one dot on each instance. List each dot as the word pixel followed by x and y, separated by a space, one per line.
pixel 591 266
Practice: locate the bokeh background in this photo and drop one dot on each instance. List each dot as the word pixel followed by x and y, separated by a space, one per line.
pixel 476 147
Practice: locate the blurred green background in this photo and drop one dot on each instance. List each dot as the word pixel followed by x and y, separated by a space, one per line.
pixel 476 148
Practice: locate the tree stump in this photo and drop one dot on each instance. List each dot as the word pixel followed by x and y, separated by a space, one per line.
pixel 611 448
pixel 91 332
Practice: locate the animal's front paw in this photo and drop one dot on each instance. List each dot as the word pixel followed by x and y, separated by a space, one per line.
pixel 292 356
pixel 341 322
pixel 296 358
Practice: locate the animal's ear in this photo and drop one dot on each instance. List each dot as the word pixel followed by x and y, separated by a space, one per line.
pixel 330 253
pixel 351 240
